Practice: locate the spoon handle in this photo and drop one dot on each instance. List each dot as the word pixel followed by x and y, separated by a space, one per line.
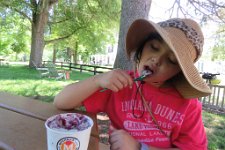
pixel 140 78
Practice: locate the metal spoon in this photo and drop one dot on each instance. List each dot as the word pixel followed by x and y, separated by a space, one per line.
pixel 144 73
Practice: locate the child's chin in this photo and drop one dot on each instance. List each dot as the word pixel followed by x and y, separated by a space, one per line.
pixel 155 84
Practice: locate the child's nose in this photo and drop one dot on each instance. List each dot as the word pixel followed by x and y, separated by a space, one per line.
pixel 156 61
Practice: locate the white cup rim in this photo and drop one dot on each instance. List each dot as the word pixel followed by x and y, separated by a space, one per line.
pixel 68 131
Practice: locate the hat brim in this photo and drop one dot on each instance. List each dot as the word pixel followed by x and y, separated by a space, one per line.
pixel 189 83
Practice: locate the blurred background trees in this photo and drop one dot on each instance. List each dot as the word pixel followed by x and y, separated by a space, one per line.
pixel 83 26
pixel 65 29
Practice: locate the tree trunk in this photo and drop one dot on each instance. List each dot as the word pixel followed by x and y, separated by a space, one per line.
pixel 75 53
pixel 37 45
pixel 75 56
pixel 131 10
pixel 39 20
pixel 54 53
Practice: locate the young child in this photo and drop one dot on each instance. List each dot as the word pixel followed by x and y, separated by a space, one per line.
pixel 162 110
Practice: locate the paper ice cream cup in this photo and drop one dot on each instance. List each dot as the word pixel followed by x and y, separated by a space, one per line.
pixel 70 135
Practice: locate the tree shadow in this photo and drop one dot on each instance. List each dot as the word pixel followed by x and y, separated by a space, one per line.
pixel 18 73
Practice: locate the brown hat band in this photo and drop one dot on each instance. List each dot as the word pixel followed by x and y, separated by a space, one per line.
pixel 190 33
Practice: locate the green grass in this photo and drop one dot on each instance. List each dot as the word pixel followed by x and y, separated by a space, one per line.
pixel 215 128
pixel 24 81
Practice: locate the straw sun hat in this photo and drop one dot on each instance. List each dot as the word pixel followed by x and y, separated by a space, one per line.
pixel 185 39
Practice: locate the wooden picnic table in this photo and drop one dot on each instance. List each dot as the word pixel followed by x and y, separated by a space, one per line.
pixel 22 123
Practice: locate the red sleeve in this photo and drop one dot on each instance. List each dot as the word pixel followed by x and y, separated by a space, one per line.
pixel 97 101
pixel 192 133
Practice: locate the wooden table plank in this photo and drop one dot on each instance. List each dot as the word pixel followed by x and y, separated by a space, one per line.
pixel 22 123
pixel 23 132
pixel 41 109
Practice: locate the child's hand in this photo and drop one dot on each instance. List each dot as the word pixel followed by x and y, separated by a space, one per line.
pixel 114 80
pixel 121 140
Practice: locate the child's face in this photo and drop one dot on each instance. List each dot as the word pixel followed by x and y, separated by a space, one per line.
pixel 158 57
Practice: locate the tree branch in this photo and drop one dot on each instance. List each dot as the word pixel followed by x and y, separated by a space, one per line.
pixel 114 17
pixel 208 8
pixel 171 9
pixel 211 7
pixel 69 35
pixel 16 10
pixel 216 4
pixel 52 2
pixel 60 21
pixel 28 4
pixel 63 37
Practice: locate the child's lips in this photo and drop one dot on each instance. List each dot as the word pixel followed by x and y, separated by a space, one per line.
pixel 147 70
pixel 144 74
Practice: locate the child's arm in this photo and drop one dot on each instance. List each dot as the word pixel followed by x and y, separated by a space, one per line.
pixel 73 95
pixel 120 139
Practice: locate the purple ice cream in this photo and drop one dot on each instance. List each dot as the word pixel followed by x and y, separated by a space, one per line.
pixel 69 121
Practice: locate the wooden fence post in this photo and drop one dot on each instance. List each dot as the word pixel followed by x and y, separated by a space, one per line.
pixel 70 66
pixel 61 64
pixel 216 100
pixel 95 69
pixel 81 68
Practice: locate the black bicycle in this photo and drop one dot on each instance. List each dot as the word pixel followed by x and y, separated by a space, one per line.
pixel 210 77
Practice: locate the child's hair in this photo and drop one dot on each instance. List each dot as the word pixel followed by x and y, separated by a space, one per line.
pixel 138 52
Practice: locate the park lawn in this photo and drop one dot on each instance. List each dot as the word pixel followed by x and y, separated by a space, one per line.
pixel 21 80
pixel 215 128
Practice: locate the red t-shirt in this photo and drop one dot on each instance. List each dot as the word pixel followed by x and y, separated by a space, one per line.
pixel 179 118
